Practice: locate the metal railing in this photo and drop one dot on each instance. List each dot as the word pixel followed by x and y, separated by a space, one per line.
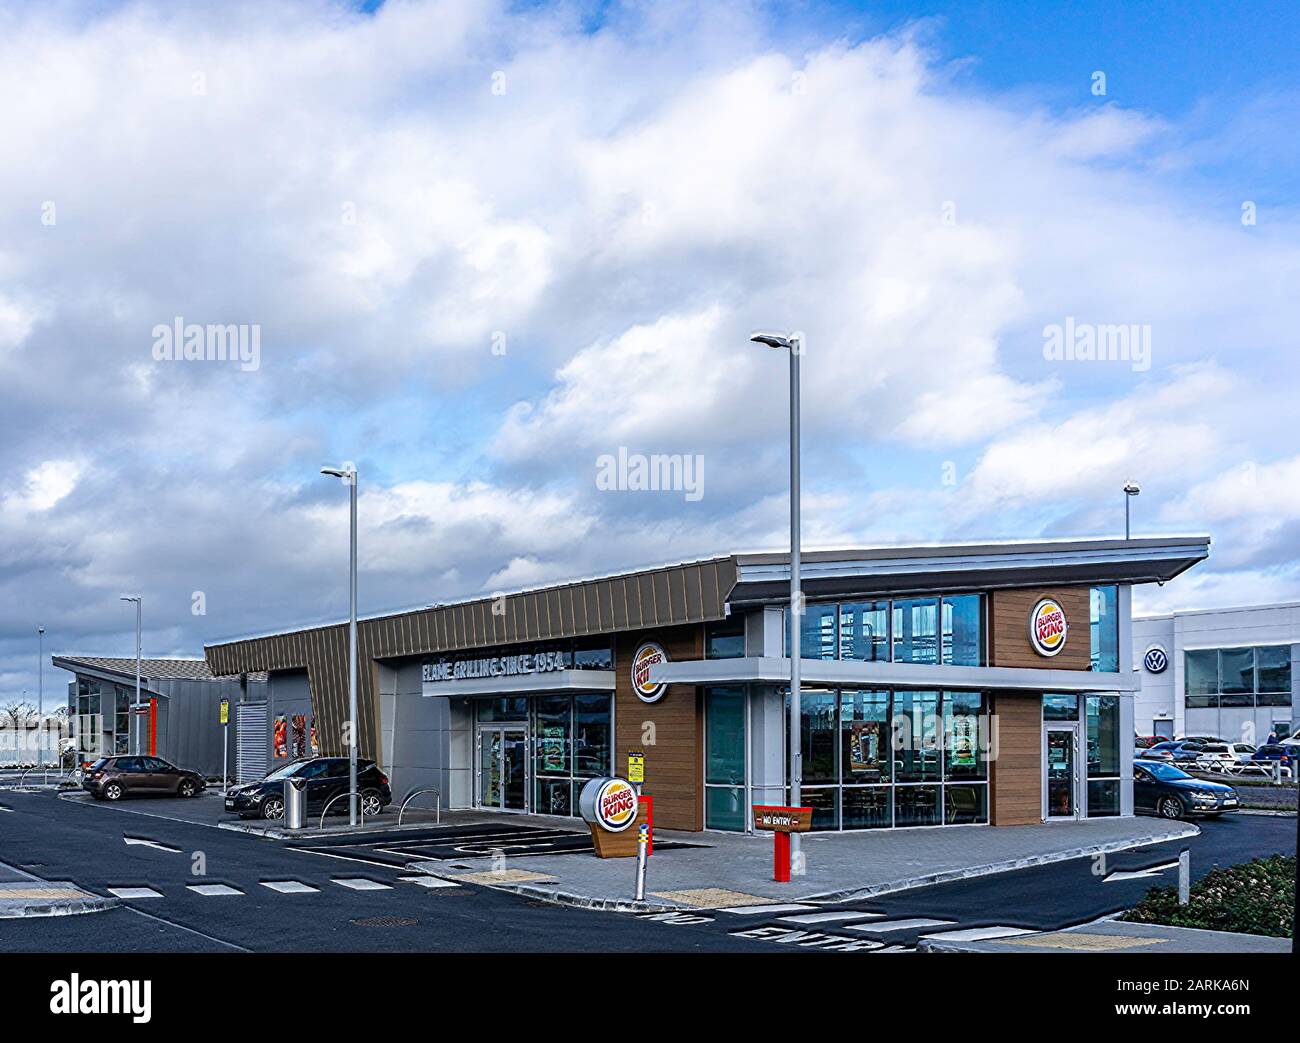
pixel 361 808
pixel 416 793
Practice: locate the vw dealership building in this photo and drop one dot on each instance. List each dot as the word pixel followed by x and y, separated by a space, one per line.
pixel 942 685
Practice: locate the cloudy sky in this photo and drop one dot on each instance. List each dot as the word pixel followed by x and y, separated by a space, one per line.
pixel 484 244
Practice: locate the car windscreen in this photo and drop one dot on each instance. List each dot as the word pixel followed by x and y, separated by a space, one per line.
pixel 285 771
pixel 1166 772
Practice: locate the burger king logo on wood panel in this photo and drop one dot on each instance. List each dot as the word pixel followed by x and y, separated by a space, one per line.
pixel 616 805
pixel 1048 627
pixel 647 655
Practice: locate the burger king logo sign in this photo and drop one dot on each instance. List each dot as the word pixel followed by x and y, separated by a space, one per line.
pixel 1048 627
pixel 615 805
pixel 647 655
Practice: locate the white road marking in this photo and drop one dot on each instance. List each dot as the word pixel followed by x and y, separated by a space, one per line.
pixel 360 883
pixel 1126 874
pixel 427 881
pixel 897 925
pixel 290 887
pixel 808 939
pixel 756 910
pixel 134 892
pixel 211 890
pixel 830 917
pixel 150 843
pixel 977 934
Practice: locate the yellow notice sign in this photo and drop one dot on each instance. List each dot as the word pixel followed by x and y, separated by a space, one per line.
pixel 225 711
pixel 636 767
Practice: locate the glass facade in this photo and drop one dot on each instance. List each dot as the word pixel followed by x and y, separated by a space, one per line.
pixel 570 738
pixel 725 803
pixel 1102 735
pixel 1235 677
pixel 893 758
pixel 101 717
pixel 725 639
pixel 1104 628
pixel 947 631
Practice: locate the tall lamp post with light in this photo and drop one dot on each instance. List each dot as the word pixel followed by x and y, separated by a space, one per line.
pixel 348 474
pixel 135 707
pixel 793 344
pixel 1131 489
pixel 40 693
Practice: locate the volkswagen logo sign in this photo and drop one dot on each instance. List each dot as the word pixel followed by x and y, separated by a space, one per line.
pixel 1156 660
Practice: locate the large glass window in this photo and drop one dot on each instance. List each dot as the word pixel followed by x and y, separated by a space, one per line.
pixel 864 631
pixel 1104 625
pixel 902 758
pixel 963 631
pixel 724 759
pixel 591 736
pixel 1238 677
pixel 570 743
pixel 916 631
pixel 1103 739
pixel 725 639
pixel 817 632
pixel 552 764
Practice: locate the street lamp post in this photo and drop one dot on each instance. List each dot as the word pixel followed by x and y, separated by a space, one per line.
pixel 134 729
pixel 1131 489
pixel 793 344
pixel 40 693
pixel 348 474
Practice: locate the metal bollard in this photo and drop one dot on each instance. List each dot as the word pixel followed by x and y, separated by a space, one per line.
pixel 642 840
pixel 295 803
pixel 1184 876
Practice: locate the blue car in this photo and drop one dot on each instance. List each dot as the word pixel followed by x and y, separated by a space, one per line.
pixel 1161 789
pixel 1182 751
pixel 1287 754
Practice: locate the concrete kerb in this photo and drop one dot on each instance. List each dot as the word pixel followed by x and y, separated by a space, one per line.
pixel 991 868
pixel 11 909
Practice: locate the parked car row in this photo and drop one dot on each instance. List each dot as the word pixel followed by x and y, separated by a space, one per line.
pixel 324 779
pixel 1210 754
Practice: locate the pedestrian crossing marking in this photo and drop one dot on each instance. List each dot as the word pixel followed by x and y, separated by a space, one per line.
pixel 978 934
pixel 290 887
pixel 129 893
pixel 897 925
pixel 428 881
pixel 360 883
pixel 754 910
pixel 212 890
pixel 831 917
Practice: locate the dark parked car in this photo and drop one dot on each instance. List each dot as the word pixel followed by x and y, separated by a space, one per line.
pixel 326 778
pixel 1183 751
pixel 1170 792
pixel 112 778
pixel 1274 751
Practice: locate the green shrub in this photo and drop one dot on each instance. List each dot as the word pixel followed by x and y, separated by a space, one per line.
pixel 1256 897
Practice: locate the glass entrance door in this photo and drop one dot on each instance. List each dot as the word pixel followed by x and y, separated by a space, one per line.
pixel 502 768
pixel 1061 771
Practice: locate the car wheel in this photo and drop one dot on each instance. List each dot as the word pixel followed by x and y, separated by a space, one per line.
pixel 1171 807
pixel 371 805
pixel 113 791
pixel 187 788
pixel 273 808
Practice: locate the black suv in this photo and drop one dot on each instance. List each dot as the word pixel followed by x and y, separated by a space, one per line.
pixel 326 778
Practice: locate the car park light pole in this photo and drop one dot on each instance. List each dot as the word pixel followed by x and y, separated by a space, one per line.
pixel 348 473
pixel 135 707
pixel 793 343
pixel 40 692
pixel 1131 489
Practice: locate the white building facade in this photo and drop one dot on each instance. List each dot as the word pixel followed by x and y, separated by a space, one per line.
pixel 1220 672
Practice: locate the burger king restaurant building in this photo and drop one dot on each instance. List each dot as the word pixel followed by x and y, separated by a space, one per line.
pixel 953 685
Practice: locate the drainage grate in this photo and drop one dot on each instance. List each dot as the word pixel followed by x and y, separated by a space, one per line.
pixel 385 921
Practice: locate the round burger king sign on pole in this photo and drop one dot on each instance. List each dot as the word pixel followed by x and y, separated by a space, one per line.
pixel 615 805
pixel 647 655
pixel 1048 627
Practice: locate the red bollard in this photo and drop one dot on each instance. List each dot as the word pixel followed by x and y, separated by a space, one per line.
pixel 781 868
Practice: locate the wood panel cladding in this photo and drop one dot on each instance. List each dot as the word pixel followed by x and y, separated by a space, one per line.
pixel 1009 643
pixel 1016 773
pixel 674 766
